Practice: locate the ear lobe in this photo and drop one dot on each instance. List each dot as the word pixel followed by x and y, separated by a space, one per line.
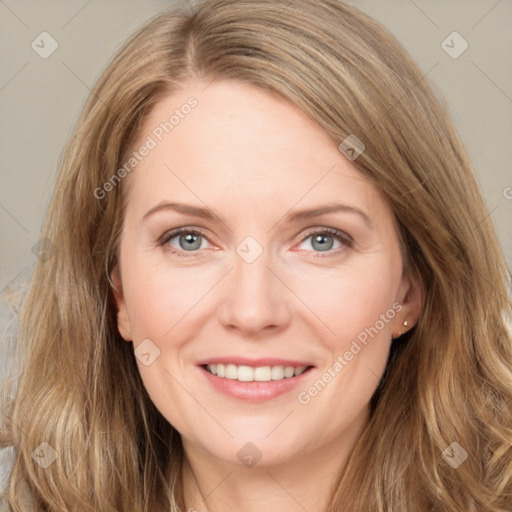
pixel 411 296
pixel 123 320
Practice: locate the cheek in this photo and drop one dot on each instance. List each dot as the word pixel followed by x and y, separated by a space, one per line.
pixel 158 297
pixel 350 299
pixel 358 308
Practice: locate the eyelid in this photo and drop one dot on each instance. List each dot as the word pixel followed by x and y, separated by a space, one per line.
pixel 171 233
pixel 332 231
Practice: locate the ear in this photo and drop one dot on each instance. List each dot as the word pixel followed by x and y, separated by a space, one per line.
pixel 411 296
pixel 123 320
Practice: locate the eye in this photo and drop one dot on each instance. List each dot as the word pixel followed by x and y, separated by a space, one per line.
pixel 183 240
pixel 187 240
pixel 323 240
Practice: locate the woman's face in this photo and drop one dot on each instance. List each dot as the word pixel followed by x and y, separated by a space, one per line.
pixel 259 281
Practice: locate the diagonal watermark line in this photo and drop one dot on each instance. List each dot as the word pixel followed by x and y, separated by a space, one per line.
pixel 190 7
pixel 16 425
pixel 15 75
pixel 74 16
pixel 76 75
pixel 488 215
pixel 305 194
pixel 194 4
pixel 3 3
pixel 284 8
pixel 286 491
pixel 217 486
pixel 485 15
pixel 484 277
pixel 301 300
pixel 14 218
pixel 107 107
pixel 200 404
pixel 375 375
pixel 424 13
pixel 14 279
pixel 192 307
pixel 492 81
pixel 279 423
pixel 208 84
pixel 406 93
pixel 227 227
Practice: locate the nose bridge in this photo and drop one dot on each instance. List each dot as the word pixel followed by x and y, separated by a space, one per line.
pixel 255 298
pixel 252 276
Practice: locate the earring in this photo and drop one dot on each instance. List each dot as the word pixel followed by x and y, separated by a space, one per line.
pixel 400 332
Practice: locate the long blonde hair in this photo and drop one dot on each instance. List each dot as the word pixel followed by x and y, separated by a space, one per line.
pixel 447 381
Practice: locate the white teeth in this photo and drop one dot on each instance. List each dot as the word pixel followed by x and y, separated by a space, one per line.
pixel 231 372
pixel 245 373
pixel 299 370
pixel 277 372
pixel 263 373
pixel 289 371
pixel 249 374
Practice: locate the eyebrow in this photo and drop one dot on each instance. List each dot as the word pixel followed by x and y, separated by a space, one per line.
pixel 293 216
pixel 308 213
pixel 186 209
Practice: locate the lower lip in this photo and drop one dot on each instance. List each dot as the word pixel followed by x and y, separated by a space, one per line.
pixel 254 391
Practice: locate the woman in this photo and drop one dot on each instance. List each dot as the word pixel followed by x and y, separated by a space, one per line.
pixel 272 283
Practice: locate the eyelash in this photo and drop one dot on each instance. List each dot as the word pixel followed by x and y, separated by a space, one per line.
pixel 342 237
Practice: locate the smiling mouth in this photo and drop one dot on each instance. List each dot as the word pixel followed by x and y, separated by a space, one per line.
pixel 244 373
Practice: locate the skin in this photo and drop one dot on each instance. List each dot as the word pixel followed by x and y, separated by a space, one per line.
pixel 253 157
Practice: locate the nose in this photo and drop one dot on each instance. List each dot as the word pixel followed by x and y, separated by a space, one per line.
pixel 255 300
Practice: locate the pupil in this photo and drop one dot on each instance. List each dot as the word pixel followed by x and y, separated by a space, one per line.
pixel 190 239
pixel 321 239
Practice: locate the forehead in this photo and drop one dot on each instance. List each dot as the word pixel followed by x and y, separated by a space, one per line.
pixel 232 141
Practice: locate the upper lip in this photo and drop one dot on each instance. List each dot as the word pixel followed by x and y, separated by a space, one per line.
pixel 262 361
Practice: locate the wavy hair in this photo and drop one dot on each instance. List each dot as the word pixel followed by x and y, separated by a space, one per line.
pixel 448 380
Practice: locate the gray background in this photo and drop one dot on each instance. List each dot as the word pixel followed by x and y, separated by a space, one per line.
pixel 40 100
